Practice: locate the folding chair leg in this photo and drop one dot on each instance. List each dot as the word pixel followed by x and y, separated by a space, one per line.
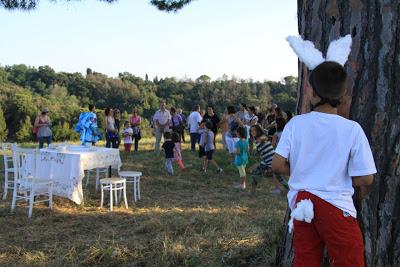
pixel 31 200
pixel 102 196
pixel 134 189
pixel 50 196
pixel 14 198
pixel 87 178
pixel 138 181
pixel 97 178
pixel 111 197
pixel 125 200
pixel 5 185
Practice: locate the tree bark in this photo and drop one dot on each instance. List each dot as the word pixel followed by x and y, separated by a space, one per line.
pixel 373 100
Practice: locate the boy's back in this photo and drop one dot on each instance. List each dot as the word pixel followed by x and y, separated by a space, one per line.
pixel 324 152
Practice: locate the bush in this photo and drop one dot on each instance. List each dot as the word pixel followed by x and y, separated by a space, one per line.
pixel 63 132
pixel 3 127
pixel 24 133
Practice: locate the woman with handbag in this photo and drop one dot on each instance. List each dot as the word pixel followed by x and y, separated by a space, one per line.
pixel 135 121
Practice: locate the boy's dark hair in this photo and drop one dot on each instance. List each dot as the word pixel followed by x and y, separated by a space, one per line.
pixel 260 131
pixel 209 125
pixel 241 132
pixel 231 109
pixel 91 107
pixel 167 135
pixel 196 108
pixel 107 111
pixel 172 110
pixel 328 81
pixel 289 115
pixel 252 109
pixel 280 124
pixel 243 105
pixel 175 137
pixel 126 123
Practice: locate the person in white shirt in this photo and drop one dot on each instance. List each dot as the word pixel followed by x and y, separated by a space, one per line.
pixel 161 120
pixel 194 121
pixel 325 156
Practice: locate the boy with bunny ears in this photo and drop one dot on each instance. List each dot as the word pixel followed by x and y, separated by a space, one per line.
pixel 325 156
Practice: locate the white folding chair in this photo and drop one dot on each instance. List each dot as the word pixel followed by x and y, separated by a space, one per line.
pixel 8 168
pixel 26 183
pixel 133 177
pixel 98 172
pixel 114 185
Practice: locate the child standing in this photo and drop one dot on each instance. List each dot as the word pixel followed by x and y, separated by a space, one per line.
pixel 209 147
pixel 168 148
pixel 325 156
pixel 202 152
pixel 241 157
pixel 266 152
pixel 176 138
pixel 127 134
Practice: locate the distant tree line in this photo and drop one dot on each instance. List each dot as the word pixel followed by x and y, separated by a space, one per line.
pixel 24 90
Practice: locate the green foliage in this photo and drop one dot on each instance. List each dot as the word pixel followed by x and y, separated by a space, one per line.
pixel 25 90
pixel 63 132
pixel 3 127
pixel 24 133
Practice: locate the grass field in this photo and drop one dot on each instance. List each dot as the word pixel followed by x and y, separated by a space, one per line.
pixel 185 220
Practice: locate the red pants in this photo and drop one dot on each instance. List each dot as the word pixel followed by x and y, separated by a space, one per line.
pixel 340 234
pixel 180 164
pixel 128 147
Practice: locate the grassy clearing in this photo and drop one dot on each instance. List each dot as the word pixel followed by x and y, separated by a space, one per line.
pixel 186 220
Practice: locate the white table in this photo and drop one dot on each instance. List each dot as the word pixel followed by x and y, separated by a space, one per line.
pixel 66 168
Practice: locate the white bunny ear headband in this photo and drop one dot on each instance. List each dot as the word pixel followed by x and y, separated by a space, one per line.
pixel 338 51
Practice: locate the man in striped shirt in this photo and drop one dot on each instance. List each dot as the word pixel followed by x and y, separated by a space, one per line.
pixel 266 152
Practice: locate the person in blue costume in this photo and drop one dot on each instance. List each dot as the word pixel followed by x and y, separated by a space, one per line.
pixel 87 126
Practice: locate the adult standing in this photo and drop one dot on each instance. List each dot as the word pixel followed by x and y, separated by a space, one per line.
pixel 135 121
pixel 162 119
pixel 43 124
pixel 194 120
pixel 184 121
pixel 111 129
pixel 242 114
pixel 176 122
pixel 87 126
pixel 117 119
pixel 214 119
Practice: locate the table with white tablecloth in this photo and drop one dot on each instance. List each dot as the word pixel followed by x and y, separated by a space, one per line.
pixel 67 168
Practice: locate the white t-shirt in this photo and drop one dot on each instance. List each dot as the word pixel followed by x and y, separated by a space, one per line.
pixel 324 152
pixel 127 134
pixel 194 120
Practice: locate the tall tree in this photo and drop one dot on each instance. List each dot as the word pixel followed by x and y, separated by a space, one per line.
pixel 372 99
pixel 164 5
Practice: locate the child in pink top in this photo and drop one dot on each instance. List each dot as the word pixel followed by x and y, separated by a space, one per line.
pixel 178 150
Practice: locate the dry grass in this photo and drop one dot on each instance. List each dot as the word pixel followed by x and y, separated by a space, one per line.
pixel 186 220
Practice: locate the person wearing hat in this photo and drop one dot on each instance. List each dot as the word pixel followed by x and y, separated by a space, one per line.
pixel 42 125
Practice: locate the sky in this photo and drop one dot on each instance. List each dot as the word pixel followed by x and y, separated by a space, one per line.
pixel 244 38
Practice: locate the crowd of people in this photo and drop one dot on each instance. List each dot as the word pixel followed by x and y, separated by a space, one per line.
pixel 244 129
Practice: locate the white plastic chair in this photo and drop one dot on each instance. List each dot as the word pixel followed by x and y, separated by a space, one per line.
pixel 26 184
pixel 133 177
pixel 8 168
pixel 114 185
pixel 97 172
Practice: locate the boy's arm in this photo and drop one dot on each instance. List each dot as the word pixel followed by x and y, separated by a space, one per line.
pixel 280 165
pixel 364 180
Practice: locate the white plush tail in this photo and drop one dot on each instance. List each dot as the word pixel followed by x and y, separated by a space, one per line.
pixel 339 50
pixel 306 51
pixel 304 211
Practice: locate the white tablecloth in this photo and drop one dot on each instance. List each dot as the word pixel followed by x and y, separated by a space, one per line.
pixel 66 168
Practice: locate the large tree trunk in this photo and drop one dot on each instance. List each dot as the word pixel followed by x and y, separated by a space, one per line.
pixel 373 100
